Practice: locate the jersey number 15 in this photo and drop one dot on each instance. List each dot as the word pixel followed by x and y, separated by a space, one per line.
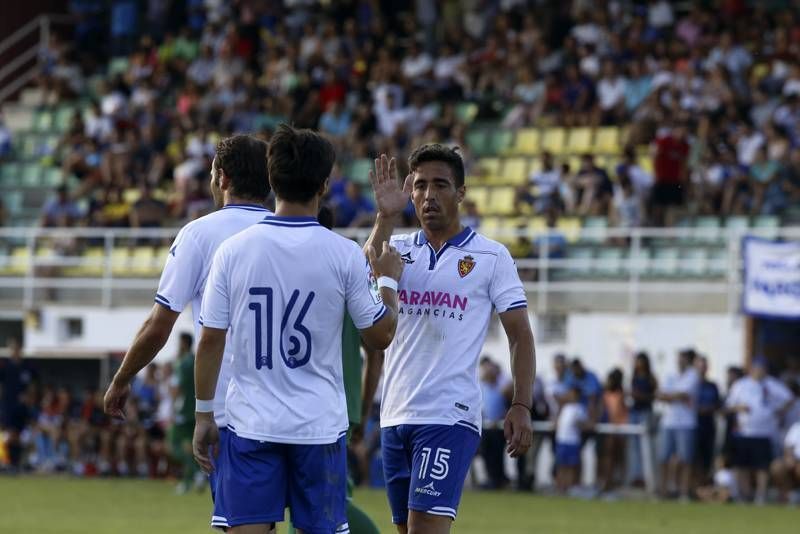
pixel 291 357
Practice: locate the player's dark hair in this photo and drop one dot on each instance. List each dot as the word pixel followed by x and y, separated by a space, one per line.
pixel 299 162
pixel 243 158
pixel 437 152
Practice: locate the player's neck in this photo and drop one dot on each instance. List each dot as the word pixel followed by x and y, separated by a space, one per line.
pixel 295 209
pixel 437 238
pixel 231 200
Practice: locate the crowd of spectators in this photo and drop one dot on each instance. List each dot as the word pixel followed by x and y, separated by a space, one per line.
pixel 48 427
pixel 713 89
pixel 711 443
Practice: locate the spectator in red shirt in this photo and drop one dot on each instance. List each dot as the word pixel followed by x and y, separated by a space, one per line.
pixel 671 152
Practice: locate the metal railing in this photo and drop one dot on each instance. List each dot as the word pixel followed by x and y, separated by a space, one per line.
pixel 38 263
pixel 18 72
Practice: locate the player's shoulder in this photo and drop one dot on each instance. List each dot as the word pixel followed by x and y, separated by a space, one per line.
pixel 476 242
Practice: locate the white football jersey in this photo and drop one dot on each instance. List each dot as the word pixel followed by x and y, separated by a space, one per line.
pixel 184 277
pixel 283 287
pixel 446 299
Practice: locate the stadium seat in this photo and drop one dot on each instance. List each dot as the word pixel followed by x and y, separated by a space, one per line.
pixel 143 261
pixel 480 196
pixel 92 263
pixel 17 263
pixel 554 140
pixel 515 171
pixel 646 163
pixel 13 201
pixel 501 201
pixel 466 111
pixel 536 226
pixel 26 147
pixel 491 226
pixel 766 226
pixel 608 262
pixel 43 121
pixel 63 117
pixel 500 141
pixel 574 163
pixel 580 261
pixel 488 170
pixel 120 261
pixel 527 142
pixel 638 262
pixel 477 142
pixel 737 223
pixel 358 170
pixel 694 262
pixel 30 175
pixel 594 229
pixel 579 140
pixel 9 173
pixel 52 177
pixel 717 266
pixel 607 141
pixel 664 263
pixel 707 229
pixel 570 227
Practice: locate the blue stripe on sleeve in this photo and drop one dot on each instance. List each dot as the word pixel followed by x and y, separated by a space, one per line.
pixel 380 315
pixel 162 297
pixel 517 307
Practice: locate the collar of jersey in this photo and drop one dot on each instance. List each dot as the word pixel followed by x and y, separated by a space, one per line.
pixel 458 240
pixel 290 221
pixel 245 206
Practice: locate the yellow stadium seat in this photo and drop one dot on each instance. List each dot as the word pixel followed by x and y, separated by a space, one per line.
pixel 554 140
pixel 574 163
pixel 608 140
pixel 92 263
pixel 527 142
pixel 480 196
pixel 143 261
pixel 534 165
pixel 161 256
pixel 536 225
pixel 646 163
pixel 492 226
pixel 570 227
pixel 515 171
pixel 488 169
pixel 16 264
pixel 501 201
pixel 579 141
pixel 120 262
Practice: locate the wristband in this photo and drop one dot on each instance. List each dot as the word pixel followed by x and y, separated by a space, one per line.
pixel 387 282
pixel 203 406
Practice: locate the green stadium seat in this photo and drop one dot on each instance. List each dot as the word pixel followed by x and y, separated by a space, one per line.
pixel 466 112
pixel 500 141
pixel 63 118
pixel 737 223
pixel 31 175
pixel 9 174
pixel 609 263
pixel 638 262
pixel 43 121
pixel 580 261
pixel 694 262
pixel 595 229
pixel 718 262
pixel 664 263
pixel 477 141
pixel 766 226
pixel 358 170
pixel 579 140
pixel 52 177
pixel 13 201
pixel 554 140
pixel 527 142
pixel 707 229
pixel 26 147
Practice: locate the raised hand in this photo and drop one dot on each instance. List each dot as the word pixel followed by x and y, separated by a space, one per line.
pixel 389 196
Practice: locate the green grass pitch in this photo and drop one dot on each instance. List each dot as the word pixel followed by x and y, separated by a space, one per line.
pixel 65 506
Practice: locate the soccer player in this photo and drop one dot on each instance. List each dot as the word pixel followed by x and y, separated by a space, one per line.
pixel 453 279
pixel 240 188
pixel 283 287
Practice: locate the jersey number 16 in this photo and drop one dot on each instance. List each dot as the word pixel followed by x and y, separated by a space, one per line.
pixel 291 356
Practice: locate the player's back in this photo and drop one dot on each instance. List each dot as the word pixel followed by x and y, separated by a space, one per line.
pixel 188 263
pixel 288 282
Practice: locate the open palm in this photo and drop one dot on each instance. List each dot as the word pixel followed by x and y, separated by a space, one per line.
pixel 390 197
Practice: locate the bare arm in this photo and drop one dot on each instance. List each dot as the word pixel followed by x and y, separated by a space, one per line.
pixel 148 342
pixel 373 365
pixel 206 372
pixel 517 427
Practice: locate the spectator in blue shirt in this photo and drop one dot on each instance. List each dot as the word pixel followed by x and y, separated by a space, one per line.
pixel 589 386
pixel 353 208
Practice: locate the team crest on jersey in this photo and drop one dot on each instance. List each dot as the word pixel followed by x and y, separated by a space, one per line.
pixel 465 266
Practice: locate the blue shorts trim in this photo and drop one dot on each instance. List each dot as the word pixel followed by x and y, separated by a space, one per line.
pixel 219 516
pixel 425 467
pixel 260 479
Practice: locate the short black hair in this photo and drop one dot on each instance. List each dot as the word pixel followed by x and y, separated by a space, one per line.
pixel 437 152
pixel 299 162
pixel 243 159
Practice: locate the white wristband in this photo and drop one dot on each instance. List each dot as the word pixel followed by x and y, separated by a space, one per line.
pixel 203 406
pixel 387 282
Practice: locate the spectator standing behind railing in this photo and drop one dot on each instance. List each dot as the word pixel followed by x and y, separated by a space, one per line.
pixel 16 378
pixel 759 402
pixel 678 426
pixel 495 405
pixel 572 421
pixel 611 447
pixel 786 469
pixel 708 404
pixel 670 154
pixel 643 393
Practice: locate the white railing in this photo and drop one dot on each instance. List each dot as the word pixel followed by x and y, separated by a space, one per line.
pixel 39 264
